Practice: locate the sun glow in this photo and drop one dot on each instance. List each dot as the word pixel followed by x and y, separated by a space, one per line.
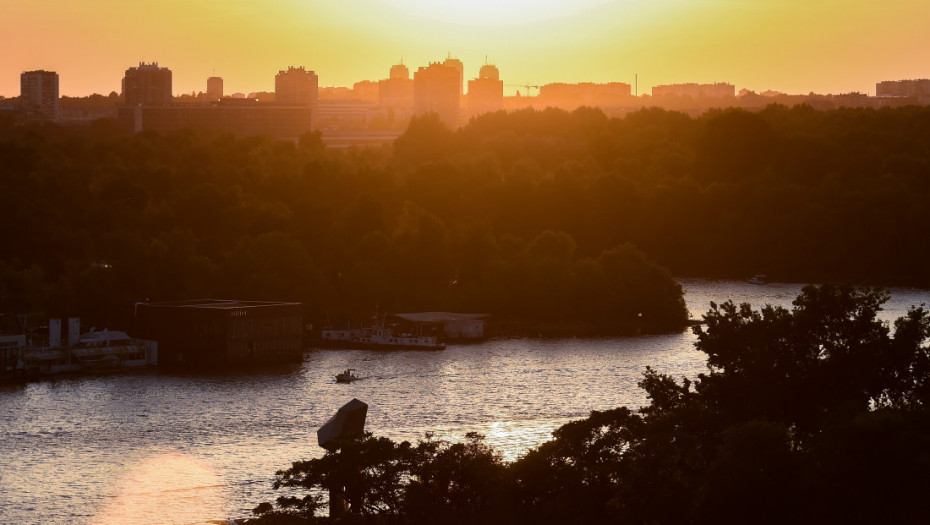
pixel 492 12
pixel 796 46
pixel 165 488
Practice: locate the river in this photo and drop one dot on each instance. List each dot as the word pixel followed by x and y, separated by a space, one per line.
pixel 175 449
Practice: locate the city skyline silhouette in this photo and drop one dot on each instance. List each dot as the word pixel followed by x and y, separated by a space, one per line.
pixel 792 47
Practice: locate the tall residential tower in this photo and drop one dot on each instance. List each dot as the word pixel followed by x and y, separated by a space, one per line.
pixel 38 91
pixel 396 92
pixel 214 89
pixel 438 89
pixel 486 93
pixel 147 85
pixel 457 65
pixel 297 87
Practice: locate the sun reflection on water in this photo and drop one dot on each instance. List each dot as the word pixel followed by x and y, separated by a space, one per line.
pixel 168 488
pixel 513 439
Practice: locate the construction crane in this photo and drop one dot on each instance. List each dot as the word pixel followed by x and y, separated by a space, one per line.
pixel 527 86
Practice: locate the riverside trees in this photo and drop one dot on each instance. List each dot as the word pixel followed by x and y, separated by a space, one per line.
pixel 819 413
pixel 98 220
pixel 513 214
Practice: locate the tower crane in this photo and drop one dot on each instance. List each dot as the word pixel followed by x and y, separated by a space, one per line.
pixel 527 86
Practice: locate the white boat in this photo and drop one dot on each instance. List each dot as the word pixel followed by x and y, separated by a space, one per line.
pixel 110 349
pixel 93 351
pixel 381 336
pixel 759 278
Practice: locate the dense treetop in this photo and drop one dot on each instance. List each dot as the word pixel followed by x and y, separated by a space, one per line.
pixel 552 217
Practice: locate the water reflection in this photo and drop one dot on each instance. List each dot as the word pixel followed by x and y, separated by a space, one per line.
pixel 78 451
pixel 165 488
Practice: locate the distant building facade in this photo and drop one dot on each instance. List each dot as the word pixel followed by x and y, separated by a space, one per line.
pixel 214 89
pixel 437 88
pixel 455 326
pixel 219 333
pixel 147 85
pixel 296 86
pixel 571 96
pixel 396 92
pixel 486 93
pixel 241 117
pixel 918 89
pixel 366 91
pixel 457 65
pixel 262 96
pixel 695 91
pixel 38 92
pixel 852 100
pixel 335 94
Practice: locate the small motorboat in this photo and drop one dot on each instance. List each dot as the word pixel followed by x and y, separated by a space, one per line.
pixel 759 278
pixel 346 376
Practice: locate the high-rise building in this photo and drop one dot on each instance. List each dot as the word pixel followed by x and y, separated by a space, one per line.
pixel 489 71
pixel 457 65
pixel 486 93
pixel 147 85
pixel 296 86
pixel 399 72
pixel 438 89
pixel 214 89
pixel 396 92
pixel 38 91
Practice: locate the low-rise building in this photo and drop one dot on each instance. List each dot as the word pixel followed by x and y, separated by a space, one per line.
pixel 454 325
pixel 695 91
pixel 903 88
pixel 240 117
pixel 572 96
pixel 209 333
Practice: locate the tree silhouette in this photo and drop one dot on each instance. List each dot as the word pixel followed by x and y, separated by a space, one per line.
pixel 809 414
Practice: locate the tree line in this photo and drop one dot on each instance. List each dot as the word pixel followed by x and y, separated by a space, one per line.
pixel 795 193
pixel 98 219
pixel 557 219
pixel 814 414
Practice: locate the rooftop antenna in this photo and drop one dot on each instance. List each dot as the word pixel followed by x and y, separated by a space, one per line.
pixel 636 82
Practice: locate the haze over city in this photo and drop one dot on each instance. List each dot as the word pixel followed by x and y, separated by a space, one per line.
pixel 418 262
pixel 791 46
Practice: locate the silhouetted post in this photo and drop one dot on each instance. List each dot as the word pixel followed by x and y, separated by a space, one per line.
pixel 337 502
pixel 348 421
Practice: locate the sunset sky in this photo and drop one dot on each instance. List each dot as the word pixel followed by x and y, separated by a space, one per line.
pixel 794 46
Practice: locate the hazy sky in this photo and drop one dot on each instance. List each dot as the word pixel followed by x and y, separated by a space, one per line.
pixel 795 46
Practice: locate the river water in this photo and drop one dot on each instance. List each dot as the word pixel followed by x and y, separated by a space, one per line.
pixel 173 449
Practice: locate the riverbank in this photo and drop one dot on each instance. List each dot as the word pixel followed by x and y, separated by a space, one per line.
pixel 170 447
pixel 565 329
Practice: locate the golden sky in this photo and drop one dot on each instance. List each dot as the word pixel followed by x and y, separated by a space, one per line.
pixel 794 46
